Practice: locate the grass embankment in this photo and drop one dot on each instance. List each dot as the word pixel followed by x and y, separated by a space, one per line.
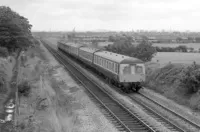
pixel 40 106
pixel 6 66
pixel 176 82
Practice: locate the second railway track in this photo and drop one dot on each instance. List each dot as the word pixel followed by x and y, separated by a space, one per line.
pixel 153 105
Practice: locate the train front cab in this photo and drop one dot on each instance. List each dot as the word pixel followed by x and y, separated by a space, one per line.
pixel 131 75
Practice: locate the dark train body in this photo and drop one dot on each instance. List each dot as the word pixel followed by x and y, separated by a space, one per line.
pixel 122 71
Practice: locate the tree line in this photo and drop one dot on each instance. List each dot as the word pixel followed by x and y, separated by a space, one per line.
pixel 15 32
pixel 125 45
pixel 180 48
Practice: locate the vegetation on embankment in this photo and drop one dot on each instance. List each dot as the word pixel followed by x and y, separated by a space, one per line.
pixel 15 35
pixel 177 82
pixel 33 65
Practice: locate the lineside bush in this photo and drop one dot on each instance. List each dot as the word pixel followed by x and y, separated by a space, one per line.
pixel 24 89
pixel 3 52
pixel 191 79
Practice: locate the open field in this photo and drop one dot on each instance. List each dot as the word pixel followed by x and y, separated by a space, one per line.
pixel 176 57
pixel 192 45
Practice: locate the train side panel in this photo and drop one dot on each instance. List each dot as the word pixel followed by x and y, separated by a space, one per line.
pixel 106 72
pixel 64 47
pixel 74 49
pixel 86 54
pixel 107 67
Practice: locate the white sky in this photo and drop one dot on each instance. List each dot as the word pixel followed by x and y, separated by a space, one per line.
pixel 64 15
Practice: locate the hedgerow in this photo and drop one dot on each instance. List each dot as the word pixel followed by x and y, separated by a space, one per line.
pixel 184 78
pixel 24 89
pixel 191 79
pixel 3 52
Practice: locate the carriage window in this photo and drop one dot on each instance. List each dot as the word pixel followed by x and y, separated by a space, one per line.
pixel 138 69
pixel 106 64
pixel 100 61
pixel 132 69
pixel 125 69
pixel 113 66
pixel 117 66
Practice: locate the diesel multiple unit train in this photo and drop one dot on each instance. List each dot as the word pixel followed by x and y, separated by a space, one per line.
pixel 125 72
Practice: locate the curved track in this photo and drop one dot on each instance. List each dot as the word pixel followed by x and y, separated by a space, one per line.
pixel 119 115
pixel 116 111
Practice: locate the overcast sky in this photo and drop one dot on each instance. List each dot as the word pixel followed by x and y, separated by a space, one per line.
pixel 64 15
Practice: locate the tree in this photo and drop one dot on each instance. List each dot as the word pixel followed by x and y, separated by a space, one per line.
pixel 95 43
pixel 144 51
pixel 3 52
pixel 191 78
pixel 144 38
pixel 111 39
pixel 179 39
pixel 15 30
pixel 182 48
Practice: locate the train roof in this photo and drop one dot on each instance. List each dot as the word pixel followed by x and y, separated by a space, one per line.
pixel 89 49
pixel 123 59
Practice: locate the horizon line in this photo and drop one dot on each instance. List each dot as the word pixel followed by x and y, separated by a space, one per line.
pixel 104 30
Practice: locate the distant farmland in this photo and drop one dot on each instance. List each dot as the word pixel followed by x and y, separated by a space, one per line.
pixel 176 57
pixel 192 45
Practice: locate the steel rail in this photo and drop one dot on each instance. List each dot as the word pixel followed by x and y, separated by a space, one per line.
pixel 167 123
pixel 171 111
pixel 117 117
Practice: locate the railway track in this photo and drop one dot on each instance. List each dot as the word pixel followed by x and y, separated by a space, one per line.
pixel 160 107
pixel 163 120
pixel 121 116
